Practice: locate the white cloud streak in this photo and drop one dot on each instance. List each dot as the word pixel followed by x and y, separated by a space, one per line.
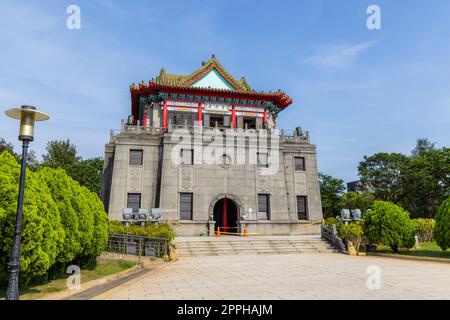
pixel 337 56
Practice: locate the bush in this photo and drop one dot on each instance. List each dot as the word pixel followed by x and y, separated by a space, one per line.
pixel 353 232
pixel 389 224
pixel 63 223
pixel 424 229
pixel 442 228
pixel 42 233
pixel 330 221
pixel 152 230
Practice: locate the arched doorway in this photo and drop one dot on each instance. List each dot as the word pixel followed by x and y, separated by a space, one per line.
pixel 226 215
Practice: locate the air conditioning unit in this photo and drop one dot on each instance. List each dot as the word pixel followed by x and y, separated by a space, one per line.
pixel 345 214
pixel 356 214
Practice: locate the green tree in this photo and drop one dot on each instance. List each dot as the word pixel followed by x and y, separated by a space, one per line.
pixel 42 235
pixel 63 222
pixel 442 228
pixel 88 173
pixel 425 182
pixel 57 181
pixel 354 200
pixel 60 154
pixel 331 190
pixel 7 146
pixel 389 224
pixel 63 154
pixel 423 145
pixel 381 173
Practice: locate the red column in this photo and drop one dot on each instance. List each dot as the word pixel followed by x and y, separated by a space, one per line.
pixel 224 215
pixel 164 114
pixel 144 120
pixel 233 117
pixel 265 116
pixel 199 112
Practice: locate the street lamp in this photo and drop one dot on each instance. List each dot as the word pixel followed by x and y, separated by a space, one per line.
pixel 27 116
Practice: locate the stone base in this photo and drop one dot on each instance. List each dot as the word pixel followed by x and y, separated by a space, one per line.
pixel 191 228
pixel 280 228
pixel 254 228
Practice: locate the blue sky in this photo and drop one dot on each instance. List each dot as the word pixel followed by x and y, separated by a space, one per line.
pixel 357 91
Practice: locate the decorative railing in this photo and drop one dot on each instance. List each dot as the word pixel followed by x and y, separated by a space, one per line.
pixel 137 245
pixel 288 136
pixel 293 136
pixel 331 235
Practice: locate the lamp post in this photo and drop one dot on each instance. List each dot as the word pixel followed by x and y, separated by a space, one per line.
pixel 27 116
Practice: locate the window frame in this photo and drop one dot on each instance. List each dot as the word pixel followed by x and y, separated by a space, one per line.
pixel 192 157
pixel 306 213
pixel 303 168
pixel 260 165
pixel 140 200
pixel 191 206
pixel 250 121
pixel 268 212
pixel 141 151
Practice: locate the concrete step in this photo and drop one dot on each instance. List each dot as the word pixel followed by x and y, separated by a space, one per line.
pixel 248 246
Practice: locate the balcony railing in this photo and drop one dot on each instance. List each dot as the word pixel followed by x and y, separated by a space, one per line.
pixel 288 136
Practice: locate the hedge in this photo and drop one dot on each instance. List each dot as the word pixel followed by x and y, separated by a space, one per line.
pixel 442 228
pixel 63 223
pixel 152 230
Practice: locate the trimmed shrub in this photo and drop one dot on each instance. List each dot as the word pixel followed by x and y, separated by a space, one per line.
pixel 424 229
pixel 58 180
pixel 42 234
pixel 389 224
pixel 442 228
pixel 152 230
pixel 63 223
pixel 352 232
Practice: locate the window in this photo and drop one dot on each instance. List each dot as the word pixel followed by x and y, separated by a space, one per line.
pixel 216 119
pixel 249 123
pixel 263 207
pixel 186 156
pixel 185 206
pixel 302 208
pixel 134 201
pixel 261 160
pixel 299 163
pixel 136 157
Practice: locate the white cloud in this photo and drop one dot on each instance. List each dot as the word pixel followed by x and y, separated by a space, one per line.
pixel 337 56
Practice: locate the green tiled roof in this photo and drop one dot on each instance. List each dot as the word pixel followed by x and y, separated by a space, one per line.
pixel 187 80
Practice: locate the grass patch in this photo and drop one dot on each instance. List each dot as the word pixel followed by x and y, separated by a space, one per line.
pixel 427 249
pixel 100 270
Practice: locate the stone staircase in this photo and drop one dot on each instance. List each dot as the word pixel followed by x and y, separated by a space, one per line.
pixel 230 245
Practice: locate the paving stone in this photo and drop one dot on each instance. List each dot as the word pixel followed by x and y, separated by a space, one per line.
pixel 296 276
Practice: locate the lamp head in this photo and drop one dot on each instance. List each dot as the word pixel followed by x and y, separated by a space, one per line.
pixel 27 116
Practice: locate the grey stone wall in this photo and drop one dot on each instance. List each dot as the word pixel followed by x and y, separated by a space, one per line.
pixel 210 182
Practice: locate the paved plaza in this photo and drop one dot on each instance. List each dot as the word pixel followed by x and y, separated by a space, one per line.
pixel 296 276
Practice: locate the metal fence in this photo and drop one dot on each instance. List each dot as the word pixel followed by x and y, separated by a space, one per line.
pixel 137 245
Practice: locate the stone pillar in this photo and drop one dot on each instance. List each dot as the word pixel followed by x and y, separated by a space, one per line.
pixel 211 231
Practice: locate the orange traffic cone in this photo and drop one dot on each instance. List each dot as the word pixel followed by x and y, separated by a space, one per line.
pixel 245 232
pixel 218 232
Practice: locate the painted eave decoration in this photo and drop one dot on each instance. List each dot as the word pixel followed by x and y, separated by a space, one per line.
pixel 220 84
